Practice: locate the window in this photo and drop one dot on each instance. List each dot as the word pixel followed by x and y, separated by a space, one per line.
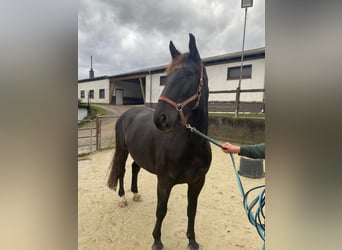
pixel 233 73
pixel 102 93
pixel 91 94
pixel 162 80
pixel 82 94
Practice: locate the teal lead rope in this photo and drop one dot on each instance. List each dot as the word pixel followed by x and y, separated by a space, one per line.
pixel 257 219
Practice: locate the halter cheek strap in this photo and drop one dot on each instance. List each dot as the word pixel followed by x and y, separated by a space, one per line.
pixel 179 106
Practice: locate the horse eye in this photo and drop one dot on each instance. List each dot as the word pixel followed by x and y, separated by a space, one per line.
pixel 188 73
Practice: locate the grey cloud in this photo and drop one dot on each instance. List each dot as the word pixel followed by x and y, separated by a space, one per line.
pixel 127 35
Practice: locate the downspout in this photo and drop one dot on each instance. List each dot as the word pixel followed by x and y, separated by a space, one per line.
pixel 150 88
pixel 142 89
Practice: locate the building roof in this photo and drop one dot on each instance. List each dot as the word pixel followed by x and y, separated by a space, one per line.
pixel 235 56
pixel 229 57
pixel 94 79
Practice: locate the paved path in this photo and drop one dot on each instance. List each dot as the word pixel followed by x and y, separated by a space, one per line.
pixel 107 126
pixel 116 109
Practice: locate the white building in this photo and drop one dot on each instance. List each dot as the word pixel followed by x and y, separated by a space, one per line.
pixel 96 89
pixel 144 86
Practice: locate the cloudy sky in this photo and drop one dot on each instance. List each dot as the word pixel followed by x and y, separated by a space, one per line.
pixel 126 35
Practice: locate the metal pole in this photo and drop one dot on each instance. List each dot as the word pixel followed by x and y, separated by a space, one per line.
pixel 238 90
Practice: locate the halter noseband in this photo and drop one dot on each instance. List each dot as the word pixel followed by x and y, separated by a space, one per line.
pixel 179 106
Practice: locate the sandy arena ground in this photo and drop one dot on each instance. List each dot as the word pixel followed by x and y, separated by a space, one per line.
pixel 221 222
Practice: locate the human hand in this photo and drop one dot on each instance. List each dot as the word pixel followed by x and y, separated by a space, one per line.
pixel 230 148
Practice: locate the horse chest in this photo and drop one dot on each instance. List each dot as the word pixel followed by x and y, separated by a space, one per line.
pixel 191 169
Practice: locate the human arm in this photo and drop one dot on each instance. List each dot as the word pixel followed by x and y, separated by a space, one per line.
pixel 256 151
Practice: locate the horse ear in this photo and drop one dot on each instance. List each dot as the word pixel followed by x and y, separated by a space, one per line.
pixel 174 52
pixel 193 49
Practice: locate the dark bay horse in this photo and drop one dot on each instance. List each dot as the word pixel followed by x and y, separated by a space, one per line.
pixel 159 141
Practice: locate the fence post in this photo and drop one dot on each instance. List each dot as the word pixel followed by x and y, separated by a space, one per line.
pixel 237 101
pixel 97 133
pixel 91 139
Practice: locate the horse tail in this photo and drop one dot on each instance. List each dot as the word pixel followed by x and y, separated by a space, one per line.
pixel 118 164
pixel 113 177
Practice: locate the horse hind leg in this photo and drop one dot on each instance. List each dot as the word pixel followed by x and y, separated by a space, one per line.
pixel 134 186
pixel 117 173
pixel 123 201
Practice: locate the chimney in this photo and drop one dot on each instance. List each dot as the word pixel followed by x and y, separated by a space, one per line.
pixel 91 71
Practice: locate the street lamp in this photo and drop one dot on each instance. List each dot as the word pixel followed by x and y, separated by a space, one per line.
pixel 244 4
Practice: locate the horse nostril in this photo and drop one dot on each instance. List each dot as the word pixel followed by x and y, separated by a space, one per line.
pixel 161 121
pixel 163 118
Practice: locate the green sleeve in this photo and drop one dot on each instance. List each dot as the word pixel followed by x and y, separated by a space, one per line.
pixel 256 151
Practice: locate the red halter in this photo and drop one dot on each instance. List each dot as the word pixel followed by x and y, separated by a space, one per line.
pixel 179 106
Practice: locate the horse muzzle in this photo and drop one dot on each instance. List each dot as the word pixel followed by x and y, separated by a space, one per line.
pixel 165 118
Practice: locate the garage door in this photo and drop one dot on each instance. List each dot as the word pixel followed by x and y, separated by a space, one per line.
pixel 119 96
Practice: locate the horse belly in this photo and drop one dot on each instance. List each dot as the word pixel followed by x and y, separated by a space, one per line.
pixel 142 150
pixel 142 159
pixel 138 133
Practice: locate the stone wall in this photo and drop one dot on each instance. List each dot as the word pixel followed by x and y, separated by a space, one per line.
pixel 238 130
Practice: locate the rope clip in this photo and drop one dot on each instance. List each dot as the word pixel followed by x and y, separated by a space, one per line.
pixel 192 129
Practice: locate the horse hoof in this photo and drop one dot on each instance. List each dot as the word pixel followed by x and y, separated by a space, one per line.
pixel 123 202
pixel 157 246
pixel 193 245
pixel 137 197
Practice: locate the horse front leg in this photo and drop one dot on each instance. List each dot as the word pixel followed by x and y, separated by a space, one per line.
pixel 163 193
pixel 193 191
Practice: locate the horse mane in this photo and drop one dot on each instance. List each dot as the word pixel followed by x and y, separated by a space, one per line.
pixel 176 62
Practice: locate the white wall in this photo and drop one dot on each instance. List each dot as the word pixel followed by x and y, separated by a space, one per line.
pixel 156 88
pixel 217 75
pixel 96 86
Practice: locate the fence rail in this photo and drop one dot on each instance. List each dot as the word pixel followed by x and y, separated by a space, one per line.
pixel 86 136
pixel 96 134
pixel 234 91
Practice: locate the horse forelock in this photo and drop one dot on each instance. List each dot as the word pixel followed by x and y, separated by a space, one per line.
pixel 176 62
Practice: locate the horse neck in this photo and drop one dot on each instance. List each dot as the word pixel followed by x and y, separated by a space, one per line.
pixel 199 116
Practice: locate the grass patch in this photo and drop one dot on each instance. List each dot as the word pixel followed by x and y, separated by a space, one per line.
pixel 99 111
pixel 93 112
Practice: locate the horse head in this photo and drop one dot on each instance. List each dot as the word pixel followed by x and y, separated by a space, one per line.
pixel 183 88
